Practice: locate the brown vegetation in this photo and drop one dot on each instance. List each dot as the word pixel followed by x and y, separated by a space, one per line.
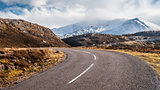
pixel 18 64
pixel 147 47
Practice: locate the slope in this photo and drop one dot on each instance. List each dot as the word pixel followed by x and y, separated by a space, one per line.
pixel 20 33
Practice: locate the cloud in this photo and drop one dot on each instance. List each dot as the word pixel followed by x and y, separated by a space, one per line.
pixel 11 2
pixel 48 16
pixel 38 3
pixel 56 13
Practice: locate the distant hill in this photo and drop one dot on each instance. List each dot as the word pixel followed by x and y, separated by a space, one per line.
pixel 115 27
pixel 94 39
pixel 145 33
pixel 108 41
pixel 20 33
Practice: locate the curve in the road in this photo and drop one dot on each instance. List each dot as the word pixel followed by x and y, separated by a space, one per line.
pixel 94 70
pixel 83 71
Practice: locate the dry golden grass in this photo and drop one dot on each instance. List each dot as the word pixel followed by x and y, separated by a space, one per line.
pixel 26 62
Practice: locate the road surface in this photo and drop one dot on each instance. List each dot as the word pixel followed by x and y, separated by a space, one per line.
pixel 93 70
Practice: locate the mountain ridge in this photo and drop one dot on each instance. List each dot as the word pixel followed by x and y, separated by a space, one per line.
pixel 115 27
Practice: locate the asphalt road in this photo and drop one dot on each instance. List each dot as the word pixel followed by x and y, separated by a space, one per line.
pixel 93 70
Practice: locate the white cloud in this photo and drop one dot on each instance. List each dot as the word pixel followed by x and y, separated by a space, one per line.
pixel 50 17
pixel 55 13
pixel 38 3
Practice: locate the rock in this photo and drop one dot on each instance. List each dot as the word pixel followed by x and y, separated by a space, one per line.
pixel 29 62
pixel 57 52
pixel 16 67
pixel 9 67
pixel 13 60
pixel 2 67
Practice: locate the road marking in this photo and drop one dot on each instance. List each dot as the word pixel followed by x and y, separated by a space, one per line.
pixel 86 52
pixel 94 56
pixel 80 74
pixel 75 50
pixel 91 53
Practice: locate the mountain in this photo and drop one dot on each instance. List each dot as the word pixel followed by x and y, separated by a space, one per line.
pixel 20 33
pixel 86 27
pixel 115 27
pixel 133 26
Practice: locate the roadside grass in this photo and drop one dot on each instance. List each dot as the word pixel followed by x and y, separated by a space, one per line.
pixel 17 64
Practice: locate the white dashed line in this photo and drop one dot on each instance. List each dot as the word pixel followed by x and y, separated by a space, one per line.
pixel 85 70
pixel 80 74
pixel 94 57
pixel 91 53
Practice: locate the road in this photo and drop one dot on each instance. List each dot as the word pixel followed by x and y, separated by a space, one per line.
pixel 93 70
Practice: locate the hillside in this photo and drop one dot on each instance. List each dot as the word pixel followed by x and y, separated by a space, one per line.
pixel 20 33
pixel 145 33
pixel 107 41
pixel 94 39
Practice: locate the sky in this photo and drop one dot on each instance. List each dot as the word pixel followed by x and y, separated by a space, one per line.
pixel 58 13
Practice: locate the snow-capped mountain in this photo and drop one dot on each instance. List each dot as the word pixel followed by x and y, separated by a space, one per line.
pixel 116 27
pixel 86 27
pixel 132 26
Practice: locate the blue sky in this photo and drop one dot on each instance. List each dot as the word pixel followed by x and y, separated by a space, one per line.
pixel 57 13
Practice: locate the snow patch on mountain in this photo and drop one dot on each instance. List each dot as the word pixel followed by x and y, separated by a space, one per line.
pixel 115 27
pixel 132 26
